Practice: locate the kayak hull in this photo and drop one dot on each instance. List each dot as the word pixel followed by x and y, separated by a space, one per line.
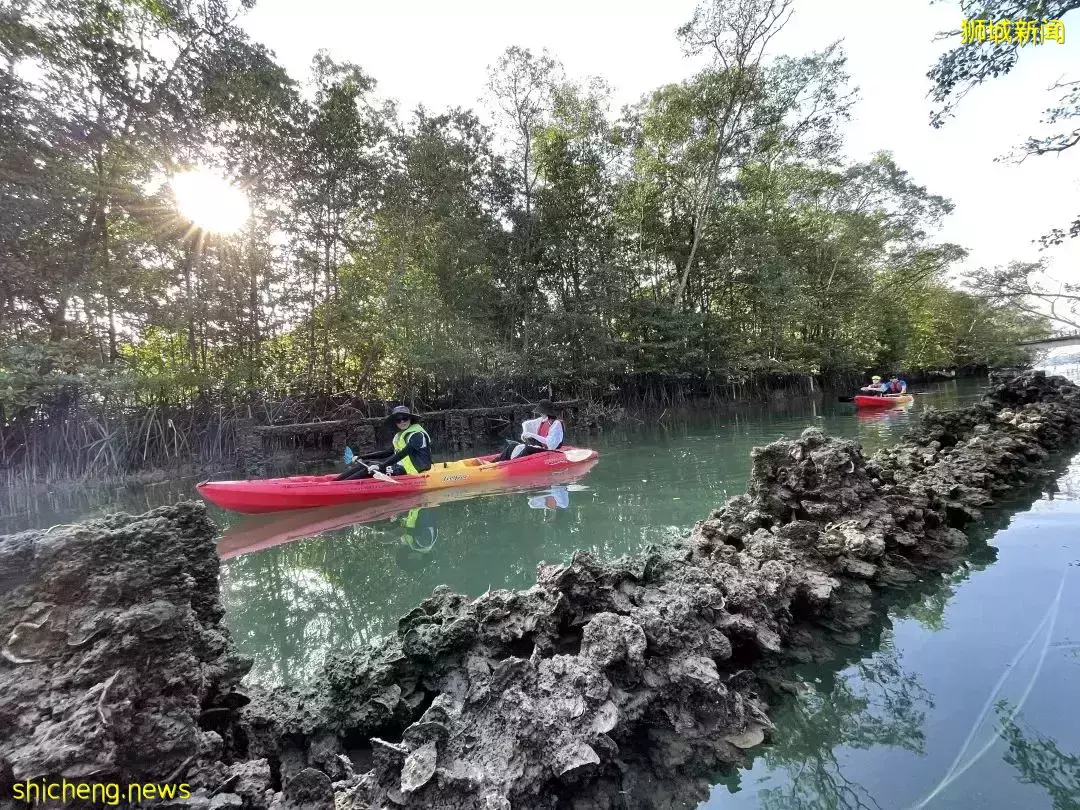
pixel 254 497
pixel 258 532
pixel 883 402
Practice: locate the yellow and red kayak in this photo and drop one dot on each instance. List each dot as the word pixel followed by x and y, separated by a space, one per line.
pixel 258 532
pixel 310 491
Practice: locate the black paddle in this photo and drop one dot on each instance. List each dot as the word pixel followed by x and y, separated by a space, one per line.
pixel 862 394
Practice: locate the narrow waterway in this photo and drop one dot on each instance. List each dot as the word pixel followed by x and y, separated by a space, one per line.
pixel 289 603
pixel 966 697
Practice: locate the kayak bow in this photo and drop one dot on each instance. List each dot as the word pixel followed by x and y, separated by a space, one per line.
pixel 309 491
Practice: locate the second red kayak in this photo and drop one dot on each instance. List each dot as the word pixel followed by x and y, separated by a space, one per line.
pixel 309 491
pixel 882 402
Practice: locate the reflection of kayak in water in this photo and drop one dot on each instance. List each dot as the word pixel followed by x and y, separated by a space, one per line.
pixel 882 402
pixel 884 414
pixel 258 532
pixel 310 491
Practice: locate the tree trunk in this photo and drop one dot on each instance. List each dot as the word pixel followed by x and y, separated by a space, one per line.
pixel 327 245
pixel 189 292
pixel 253 303
pixel 112 330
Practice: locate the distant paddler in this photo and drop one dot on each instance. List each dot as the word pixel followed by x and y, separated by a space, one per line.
pixel 875 388
pixel 537 435
pixel 894 387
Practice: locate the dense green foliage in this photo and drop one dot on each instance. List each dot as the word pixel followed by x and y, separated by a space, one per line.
pixel 712 230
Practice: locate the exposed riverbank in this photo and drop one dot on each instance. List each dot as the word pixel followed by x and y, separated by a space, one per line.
pixel 654 640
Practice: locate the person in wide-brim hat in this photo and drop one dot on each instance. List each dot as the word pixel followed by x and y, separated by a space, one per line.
pixel 402 412
pixel 411 454
pixel 537 435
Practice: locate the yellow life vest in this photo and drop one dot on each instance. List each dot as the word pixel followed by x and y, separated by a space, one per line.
pixel 401 438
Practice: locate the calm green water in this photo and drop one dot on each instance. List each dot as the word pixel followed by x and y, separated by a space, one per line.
pixel 880 727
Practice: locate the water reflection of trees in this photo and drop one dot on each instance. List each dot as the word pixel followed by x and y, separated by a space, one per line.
pixel 29 506
pixel 289 604
pixel 864 699
pixel 1040 762
pixel 873 702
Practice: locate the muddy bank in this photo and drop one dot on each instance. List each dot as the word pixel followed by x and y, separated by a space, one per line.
pixel 593 689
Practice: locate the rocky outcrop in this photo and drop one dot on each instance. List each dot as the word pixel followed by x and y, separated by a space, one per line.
pixel 114 664
pixel 591 689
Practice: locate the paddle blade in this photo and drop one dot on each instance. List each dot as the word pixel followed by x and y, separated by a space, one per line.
pixel 846 399
pixel 349 455
pixel 577 454
pixel 378 476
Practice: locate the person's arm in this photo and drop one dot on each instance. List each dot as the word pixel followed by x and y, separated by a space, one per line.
pixel 416 442
pixel 903 387
pixel 555 435
pixel 529 428
pixel 375 455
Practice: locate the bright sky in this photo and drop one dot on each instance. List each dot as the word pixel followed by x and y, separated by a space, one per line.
pixel 437 53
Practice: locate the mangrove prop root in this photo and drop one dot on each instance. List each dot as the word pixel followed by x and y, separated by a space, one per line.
pixel 594 688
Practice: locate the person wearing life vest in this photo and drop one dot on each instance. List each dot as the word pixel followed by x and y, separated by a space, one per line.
pixel 412 448
pixel 894 386
pixel 537 435
pixel 876 387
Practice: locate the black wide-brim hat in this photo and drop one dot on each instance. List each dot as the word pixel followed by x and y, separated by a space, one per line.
pixel 402 410
pixel 545 407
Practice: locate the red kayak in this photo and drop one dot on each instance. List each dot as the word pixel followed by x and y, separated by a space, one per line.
pixel 886 401
pixel 309 491
pixel 258 532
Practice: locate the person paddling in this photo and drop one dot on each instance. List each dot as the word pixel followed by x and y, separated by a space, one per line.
pixel 876 387
pixel 894 387
pixel 412 448
pixel 537 435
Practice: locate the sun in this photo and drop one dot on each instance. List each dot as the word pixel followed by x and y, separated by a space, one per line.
pixel 210 202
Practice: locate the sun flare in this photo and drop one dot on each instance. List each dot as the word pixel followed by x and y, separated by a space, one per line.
pixel 210 202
